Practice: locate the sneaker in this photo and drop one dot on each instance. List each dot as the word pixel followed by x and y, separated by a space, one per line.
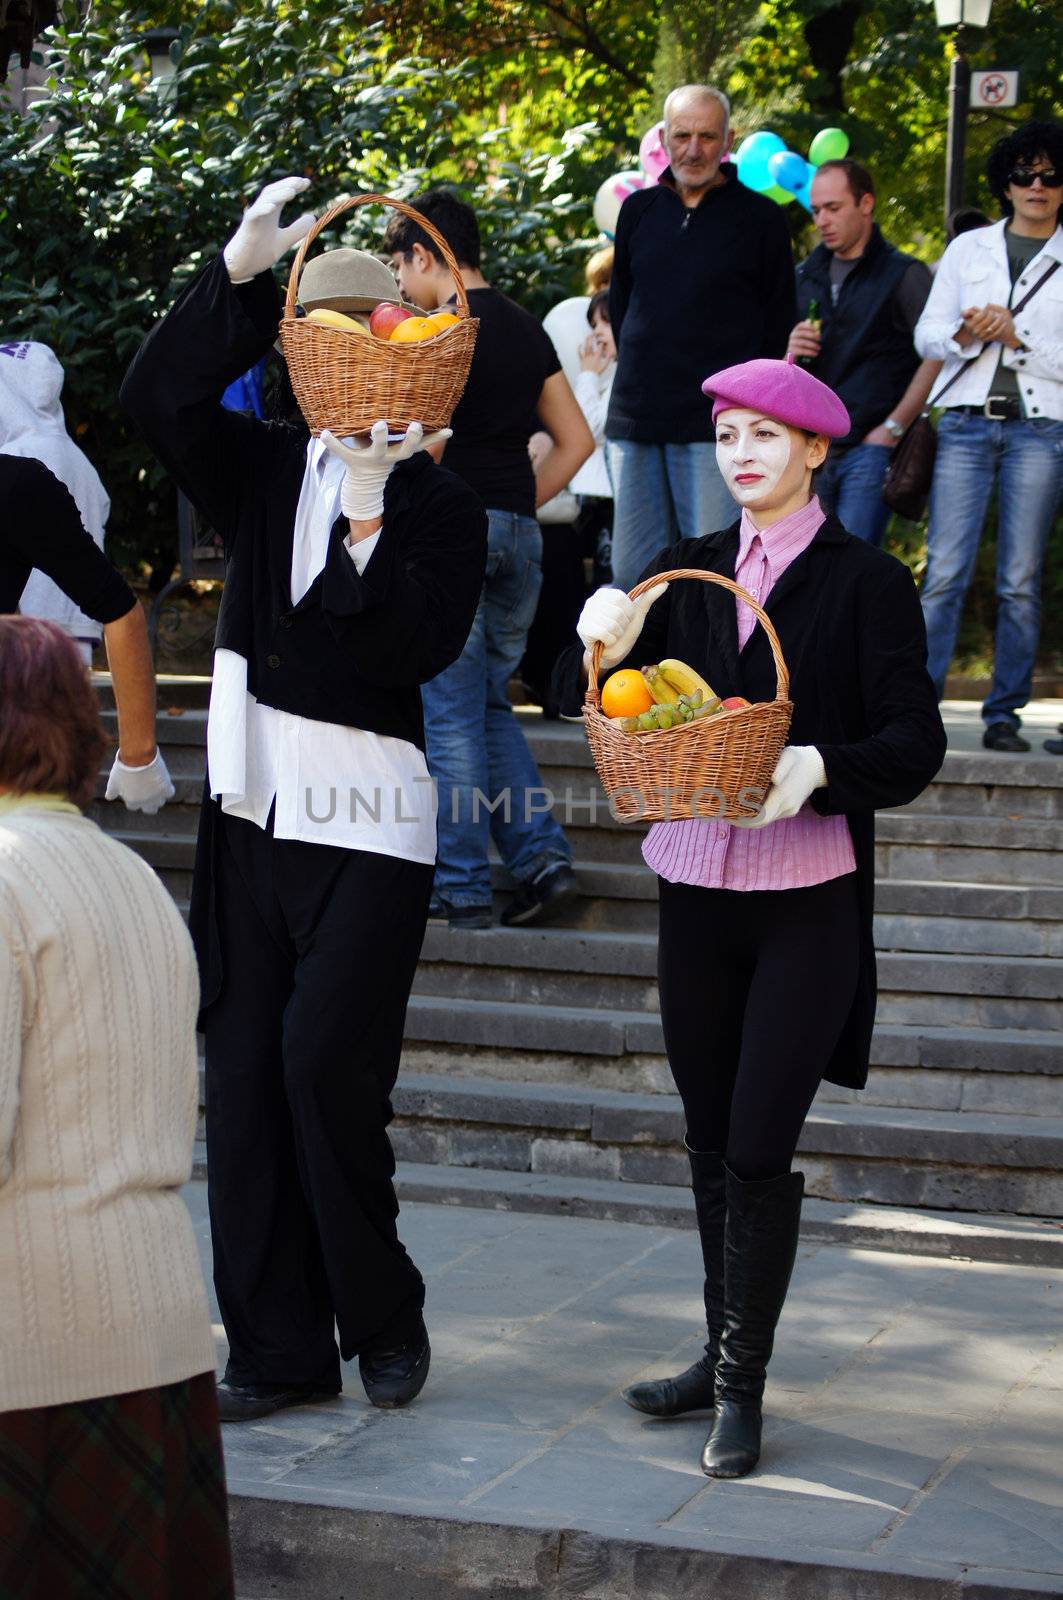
pixel 1054 747
pixel 1002 736
pixel 442 914
pixel 551 888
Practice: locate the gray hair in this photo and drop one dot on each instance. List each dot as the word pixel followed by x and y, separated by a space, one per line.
pixel 699 91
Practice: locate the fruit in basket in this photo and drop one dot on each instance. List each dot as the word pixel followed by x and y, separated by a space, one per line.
pixel 412 330
pixel 385 318
pixel 683 678
pixel 441 320
pixel 624 694
pixel 661 691
pixel 734 702
pixel 336 319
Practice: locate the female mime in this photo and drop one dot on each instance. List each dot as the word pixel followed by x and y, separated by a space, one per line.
pixel 766 961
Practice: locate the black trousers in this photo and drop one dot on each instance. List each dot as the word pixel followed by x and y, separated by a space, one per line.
pixel 318 949
pixel 755 990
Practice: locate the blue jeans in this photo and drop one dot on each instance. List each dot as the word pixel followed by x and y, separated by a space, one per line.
pixel 1025 460
pixel 661 493
pixel 850 485
pixel 489 785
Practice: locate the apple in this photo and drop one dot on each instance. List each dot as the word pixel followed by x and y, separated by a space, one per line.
pixel 386 317
pixel 734 702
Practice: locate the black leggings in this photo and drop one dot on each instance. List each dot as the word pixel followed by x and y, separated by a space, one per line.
pixel 755 990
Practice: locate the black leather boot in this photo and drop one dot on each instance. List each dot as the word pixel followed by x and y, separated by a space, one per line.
pixel 760 1244
pixel 693 1390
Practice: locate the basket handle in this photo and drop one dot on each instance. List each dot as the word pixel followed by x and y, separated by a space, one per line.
pixel 348 203
pixel 782 675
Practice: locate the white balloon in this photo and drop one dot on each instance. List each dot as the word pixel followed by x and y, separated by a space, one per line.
pixel 611 196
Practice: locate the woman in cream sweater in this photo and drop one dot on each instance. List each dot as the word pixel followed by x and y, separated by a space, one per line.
pixel 110 1455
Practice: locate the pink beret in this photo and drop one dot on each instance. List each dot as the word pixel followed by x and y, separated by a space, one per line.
pixel 782 390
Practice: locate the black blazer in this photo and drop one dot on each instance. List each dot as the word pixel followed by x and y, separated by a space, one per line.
pixel 852 635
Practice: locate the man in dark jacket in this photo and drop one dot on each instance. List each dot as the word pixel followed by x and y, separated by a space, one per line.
pixel 702 279
pixel 859 300
pixel 354 571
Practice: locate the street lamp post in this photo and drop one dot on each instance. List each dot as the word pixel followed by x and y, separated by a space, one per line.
pixel 959 15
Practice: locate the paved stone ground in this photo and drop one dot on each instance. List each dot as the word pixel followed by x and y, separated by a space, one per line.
pixel 915 1411
pixel 964 725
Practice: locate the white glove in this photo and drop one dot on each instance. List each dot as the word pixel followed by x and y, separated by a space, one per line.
pixel 369 464
pixel 142 788
pixel 798 771
pixel 614 619
pixel 260 241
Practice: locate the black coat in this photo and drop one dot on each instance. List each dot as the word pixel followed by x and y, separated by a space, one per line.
pixel 852 636
pixel 357 646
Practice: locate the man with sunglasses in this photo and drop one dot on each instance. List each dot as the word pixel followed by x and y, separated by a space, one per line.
pixel 995 317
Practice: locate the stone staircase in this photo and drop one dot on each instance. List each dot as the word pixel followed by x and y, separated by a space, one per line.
pixel 534 1072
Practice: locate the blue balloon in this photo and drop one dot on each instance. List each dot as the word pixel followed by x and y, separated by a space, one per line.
pixel 789 170
pixel 752 158
pixel 804 194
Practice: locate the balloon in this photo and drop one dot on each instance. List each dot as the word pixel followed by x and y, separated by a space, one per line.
pixel 789 170
pixel 753 155
pixel 653 157
pixel 782 197
pixel 611 196
pixel 830 144
pixel 804 194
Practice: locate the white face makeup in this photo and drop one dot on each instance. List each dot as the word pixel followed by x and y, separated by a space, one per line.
pixel 754 453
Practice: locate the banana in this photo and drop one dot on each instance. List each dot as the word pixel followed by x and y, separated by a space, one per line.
pixel 336 319
pixel 663 692
pixel 682 679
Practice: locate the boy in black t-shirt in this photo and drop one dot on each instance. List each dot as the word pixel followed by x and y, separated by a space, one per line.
pixel 488 781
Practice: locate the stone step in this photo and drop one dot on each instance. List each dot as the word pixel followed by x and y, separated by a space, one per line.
pixel 975 1236
pixel 601 968
pixel 1008 1071
pixel 896 1156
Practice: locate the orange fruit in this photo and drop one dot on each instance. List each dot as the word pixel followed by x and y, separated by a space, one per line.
pixel 625 694
pixel 440 320
pixel 412 330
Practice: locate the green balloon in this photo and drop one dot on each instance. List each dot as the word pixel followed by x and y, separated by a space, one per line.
pixel 782 197
pixel 830 144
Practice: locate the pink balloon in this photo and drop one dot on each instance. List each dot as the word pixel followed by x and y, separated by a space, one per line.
pixel 653 157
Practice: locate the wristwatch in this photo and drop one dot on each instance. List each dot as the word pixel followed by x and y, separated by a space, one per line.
pixel 894 427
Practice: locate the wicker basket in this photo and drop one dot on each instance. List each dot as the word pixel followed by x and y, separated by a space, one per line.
pixel 718 766
pixel 345 383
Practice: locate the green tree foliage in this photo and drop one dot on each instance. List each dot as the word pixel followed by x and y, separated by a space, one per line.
pixel 117 187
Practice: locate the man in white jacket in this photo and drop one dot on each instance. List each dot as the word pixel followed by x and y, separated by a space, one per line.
pixel 995 317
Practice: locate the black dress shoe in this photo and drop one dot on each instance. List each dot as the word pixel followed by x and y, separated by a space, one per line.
pixel 1054 747
pixel 1002 736
pixel 246 1401
pixel 692 1390
pixel 394 1376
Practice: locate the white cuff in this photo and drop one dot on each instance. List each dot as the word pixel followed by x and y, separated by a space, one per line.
pixel 362 549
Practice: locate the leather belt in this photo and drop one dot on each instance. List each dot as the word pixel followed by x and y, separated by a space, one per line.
pixel 996 407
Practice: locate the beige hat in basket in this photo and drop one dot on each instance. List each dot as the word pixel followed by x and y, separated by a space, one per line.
pixel 346 280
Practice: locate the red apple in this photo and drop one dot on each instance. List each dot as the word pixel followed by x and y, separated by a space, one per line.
pixel 734 702
pixel 386 317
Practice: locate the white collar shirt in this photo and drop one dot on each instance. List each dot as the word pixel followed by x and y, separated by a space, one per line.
pixel 327 783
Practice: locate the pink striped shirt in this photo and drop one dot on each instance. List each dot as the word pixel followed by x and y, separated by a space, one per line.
pixel 797 851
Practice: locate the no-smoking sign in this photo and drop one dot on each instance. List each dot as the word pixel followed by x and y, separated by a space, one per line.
pixel 994 88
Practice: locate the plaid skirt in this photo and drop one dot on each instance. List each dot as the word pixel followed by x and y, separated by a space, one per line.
pixel 121 1498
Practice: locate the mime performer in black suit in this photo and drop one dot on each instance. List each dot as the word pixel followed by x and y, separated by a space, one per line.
pixel 354 571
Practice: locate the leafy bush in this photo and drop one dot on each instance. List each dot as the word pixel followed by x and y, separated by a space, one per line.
pixel 116 187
